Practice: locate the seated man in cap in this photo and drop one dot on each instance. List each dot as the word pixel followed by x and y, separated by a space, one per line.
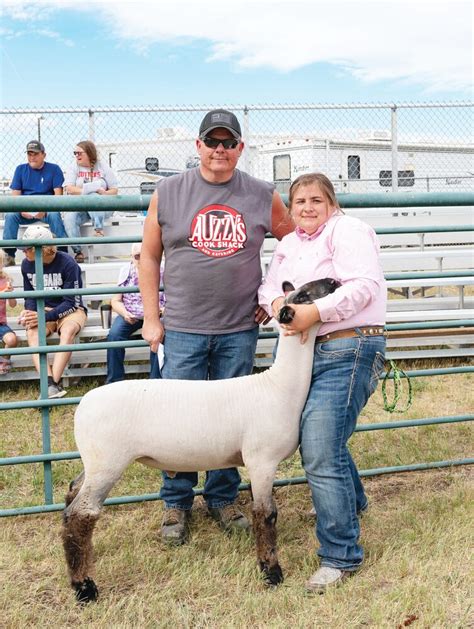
pixel 65 314
pixel 37 177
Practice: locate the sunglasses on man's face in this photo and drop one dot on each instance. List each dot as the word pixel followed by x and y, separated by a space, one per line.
pixel 77 153
pixel 213 143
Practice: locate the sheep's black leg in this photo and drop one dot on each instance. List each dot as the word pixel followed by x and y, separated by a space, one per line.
pixel 264 526
pixel 79 519
pixel 77 543
pixel 74 487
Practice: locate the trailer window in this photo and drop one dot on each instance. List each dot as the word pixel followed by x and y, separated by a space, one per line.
pixel 353 167
pixel 385 178
pixel 281 168
pixel 406 178
pixel 147 187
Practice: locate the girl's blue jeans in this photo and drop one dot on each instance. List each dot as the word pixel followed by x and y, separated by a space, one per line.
pixel 345 374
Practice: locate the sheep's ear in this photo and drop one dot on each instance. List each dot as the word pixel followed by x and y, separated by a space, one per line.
pixel 287 287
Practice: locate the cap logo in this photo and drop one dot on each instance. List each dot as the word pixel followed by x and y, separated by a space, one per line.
pixel 220 117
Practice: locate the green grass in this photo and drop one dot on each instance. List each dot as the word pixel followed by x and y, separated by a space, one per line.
pixel 416 537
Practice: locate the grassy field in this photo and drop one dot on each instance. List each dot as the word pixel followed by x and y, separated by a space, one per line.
pixel 416 536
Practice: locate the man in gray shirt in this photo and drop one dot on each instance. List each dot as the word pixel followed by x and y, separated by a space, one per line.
pixel 209 222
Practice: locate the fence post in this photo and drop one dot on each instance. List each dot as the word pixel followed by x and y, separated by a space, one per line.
pixel 246 136
pixel 43 362
pixel 394 150
pixel 91 126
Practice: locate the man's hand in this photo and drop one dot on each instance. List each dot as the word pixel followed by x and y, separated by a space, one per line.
pixel 37 215
pixel 261 316
pixel 129 318
pixel 28 319
pixel 277 305
pixel 153 332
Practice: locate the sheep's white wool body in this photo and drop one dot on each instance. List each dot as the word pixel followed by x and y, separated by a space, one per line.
pixel 184 426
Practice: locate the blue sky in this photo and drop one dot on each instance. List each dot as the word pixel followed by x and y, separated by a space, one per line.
pixel 102 52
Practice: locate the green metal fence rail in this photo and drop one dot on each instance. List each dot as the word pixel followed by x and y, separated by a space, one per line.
pixel 138 203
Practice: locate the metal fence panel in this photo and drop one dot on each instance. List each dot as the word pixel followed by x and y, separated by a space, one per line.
pixel 429 144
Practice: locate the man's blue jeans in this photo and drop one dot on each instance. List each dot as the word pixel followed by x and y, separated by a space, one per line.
pixel 206 357
pixel 13 220
pixel 345 374
pixel 74 220
pixel 122 331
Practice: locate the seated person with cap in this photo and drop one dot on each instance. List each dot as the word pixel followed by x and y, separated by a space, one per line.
pixel 37 177
pixel 65 314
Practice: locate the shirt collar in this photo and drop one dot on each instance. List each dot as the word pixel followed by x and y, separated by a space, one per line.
pixel 302 235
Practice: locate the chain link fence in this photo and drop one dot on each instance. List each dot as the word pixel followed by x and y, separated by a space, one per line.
pixel 429 146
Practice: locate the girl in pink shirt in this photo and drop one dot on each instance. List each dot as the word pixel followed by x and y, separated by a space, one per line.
pixel 348 361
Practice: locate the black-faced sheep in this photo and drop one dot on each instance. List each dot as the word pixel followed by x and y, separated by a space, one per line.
pixel 180 425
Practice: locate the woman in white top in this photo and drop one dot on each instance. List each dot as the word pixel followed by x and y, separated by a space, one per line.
pixel 87 175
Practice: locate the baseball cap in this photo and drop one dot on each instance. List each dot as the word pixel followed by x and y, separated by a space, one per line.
pixel 37 232
pixel 34 145
pixel 220 119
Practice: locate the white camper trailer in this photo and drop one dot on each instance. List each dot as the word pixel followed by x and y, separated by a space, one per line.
pixel 140 163
pixel 365 165
pixel 353 165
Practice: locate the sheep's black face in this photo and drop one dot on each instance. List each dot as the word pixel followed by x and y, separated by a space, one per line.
pixel 306 294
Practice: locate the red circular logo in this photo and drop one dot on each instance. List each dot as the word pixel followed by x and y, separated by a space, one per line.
pixel 218 231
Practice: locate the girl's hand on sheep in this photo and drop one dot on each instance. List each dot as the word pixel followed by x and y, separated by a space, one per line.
pixel 306 315
pixel 153 332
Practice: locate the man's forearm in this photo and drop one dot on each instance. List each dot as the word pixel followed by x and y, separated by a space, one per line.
pixel 149 282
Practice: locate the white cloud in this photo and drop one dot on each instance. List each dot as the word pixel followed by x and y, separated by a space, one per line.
pixel 424 42
pixel 46 32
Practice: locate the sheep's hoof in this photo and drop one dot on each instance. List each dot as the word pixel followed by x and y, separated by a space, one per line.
pixel 272 576
pixel 86 592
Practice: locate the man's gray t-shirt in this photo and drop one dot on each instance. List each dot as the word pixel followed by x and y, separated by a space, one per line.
pixel 212 235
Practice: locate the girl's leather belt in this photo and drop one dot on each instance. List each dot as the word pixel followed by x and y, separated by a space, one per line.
pixel 351 332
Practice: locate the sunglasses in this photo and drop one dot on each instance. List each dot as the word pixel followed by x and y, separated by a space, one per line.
pixel 30 153
pixel 136 256
pixel 76 153
pixel 26 249
pixel 213 143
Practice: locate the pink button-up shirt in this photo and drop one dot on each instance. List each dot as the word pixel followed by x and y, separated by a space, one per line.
pixel 345 249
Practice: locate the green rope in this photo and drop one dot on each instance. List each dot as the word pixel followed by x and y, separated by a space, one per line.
pixel 397 389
